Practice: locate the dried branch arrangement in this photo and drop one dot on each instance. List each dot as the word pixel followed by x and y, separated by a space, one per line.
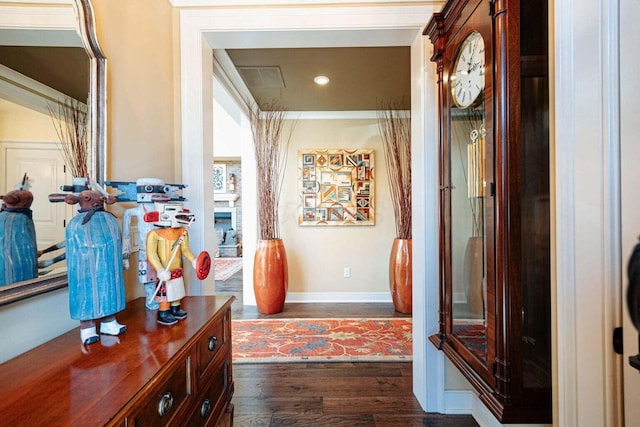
pixel 70 121
pixel 271 140
pixel 395 128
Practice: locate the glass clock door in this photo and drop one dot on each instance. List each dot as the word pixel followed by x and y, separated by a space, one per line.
pixel 468 244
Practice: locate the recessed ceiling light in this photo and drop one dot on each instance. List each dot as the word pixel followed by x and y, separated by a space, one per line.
pixel 321 80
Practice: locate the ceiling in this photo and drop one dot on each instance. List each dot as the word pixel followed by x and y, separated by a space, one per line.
pixel 362 78
pixel 65 69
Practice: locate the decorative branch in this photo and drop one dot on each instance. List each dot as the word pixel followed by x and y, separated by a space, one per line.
pixel 271 145
pixel 395 128
pixel 70 122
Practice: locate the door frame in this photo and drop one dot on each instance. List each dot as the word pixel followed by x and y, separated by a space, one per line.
pixel 630 182
pixel 587 258
pixel 201 31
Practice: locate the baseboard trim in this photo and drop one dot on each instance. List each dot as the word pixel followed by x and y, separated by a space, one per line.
pixel 482 415
pixel 458 402
pixel 317 297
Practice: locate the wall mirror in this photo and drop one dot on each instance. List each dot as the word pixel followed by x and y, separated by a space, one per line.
pixel 50 34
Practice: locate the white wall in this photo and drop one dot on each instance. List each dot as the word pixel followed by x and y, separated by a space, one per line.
pixel 18 123
pixel 317 255
pixel 227 130
pixel 31 322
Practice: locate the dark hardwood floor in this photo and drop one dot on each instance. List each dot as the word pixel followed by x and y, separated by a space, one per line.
pixel 376 394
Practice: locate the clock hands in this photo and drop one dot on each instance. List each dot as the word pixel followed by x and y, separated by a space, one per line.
pixel 468 77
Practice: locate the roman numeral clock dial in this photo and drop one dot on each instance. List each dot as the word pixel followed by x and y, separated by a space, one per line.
pixel 467 77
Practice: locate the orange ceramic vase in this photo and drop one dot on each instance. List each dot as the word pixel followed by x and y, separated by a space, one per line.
pixel 473 275
pixel 400 275
pixel 270 276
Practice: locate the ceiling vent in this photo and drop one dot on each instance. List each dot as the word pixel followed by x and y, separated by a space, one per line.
pixel 262 77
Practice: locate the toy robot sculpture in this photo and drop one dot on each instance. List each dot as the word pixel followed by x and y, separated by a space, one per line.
pixel 146 192
pixel 18 246
pixel 166 246
pixel 94 262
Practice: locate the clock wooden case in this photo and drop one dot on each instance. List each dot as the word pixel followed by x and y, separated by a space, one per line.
pixel 495 308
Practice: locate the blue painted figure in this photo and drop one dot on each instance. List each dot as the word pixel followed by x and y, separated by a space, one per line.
pixel 18 247
pixel 94 260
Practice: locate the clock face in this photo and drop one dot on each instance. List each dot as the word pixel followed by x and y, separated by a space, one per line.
pixel 467 75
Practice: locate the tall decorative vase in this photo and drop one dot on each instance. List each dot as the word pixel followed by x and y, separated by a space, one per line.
pixel 270 277
pixel 400 275
pixel 473 275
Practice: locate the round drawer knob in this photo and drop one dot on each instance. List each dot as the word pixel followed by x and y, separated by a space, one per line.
pixel 205 408
pixel 213 341
pixel 165 404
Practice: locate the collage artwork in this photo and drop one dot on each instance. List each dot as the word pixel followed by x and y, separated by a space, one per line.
pixel 336 187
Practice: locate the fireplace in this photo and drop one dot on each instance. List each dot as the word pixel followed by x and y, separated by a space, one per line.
pixel 225 224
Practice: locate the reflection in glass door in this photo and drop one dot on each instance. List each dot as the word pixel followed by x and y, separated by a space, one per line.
pixel 468 245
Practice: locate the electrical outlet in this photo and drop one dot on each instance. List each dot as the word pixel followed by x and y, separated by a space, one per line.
pixel 347 272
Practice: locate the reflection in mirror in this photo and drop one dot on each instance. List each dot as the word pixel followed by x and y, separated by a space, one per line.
pixel 468 261
pixel 57 57
pixel 28 140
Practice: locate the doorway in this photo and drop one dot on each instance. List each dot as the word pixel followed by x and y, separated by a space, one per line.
pixel 205 30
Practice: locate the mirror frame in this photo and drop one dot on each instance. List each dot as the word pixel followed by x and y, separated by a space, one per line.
pixel 98 137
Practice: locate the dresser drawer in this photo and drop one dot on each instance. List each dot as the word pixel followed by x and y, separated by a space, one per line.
pixel 215 341
pixel 213 400
pixel 166 401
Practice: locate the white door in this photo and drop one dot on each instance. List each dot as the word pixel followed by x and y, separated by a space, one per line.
pixel 44 165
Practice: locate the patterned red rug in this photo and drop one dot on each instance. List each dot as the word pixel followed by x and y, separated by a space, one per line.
pixel 321 340
pixel 226 267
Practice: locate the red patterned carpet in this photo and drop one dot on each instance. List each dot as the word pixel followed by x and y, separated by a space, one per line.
pixel 226 267
pixel 321 340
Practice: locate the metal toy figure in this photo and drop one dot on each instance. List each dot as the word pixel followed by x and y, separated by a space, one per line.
pixel 146 192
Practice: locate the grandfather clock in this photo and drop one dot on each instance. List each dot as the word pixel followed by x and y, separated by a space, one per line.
pixel 495 308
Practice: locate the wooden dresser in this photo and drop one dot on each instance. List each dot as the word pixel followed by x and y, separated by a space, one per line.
pixel 151 375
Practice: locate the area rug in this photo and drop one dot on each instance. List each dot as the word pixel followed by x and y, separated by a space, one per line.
pixel 226 267
pixel 321 340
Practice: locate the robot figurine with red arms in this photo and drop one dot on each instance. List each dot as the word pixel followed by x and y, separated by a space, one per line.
pixel 146 192
pixel 166 245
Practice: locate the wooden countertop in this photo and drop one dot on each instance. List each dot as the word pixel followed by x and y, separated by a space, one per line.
pixel 63 382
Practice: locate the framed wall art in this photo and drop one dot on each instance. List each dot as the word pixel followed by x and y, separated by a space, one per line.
pixel 336 187
pixel 219 178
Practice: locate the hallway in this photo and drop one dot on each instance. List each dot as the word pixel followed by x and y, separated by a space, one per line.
pixel 326 394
